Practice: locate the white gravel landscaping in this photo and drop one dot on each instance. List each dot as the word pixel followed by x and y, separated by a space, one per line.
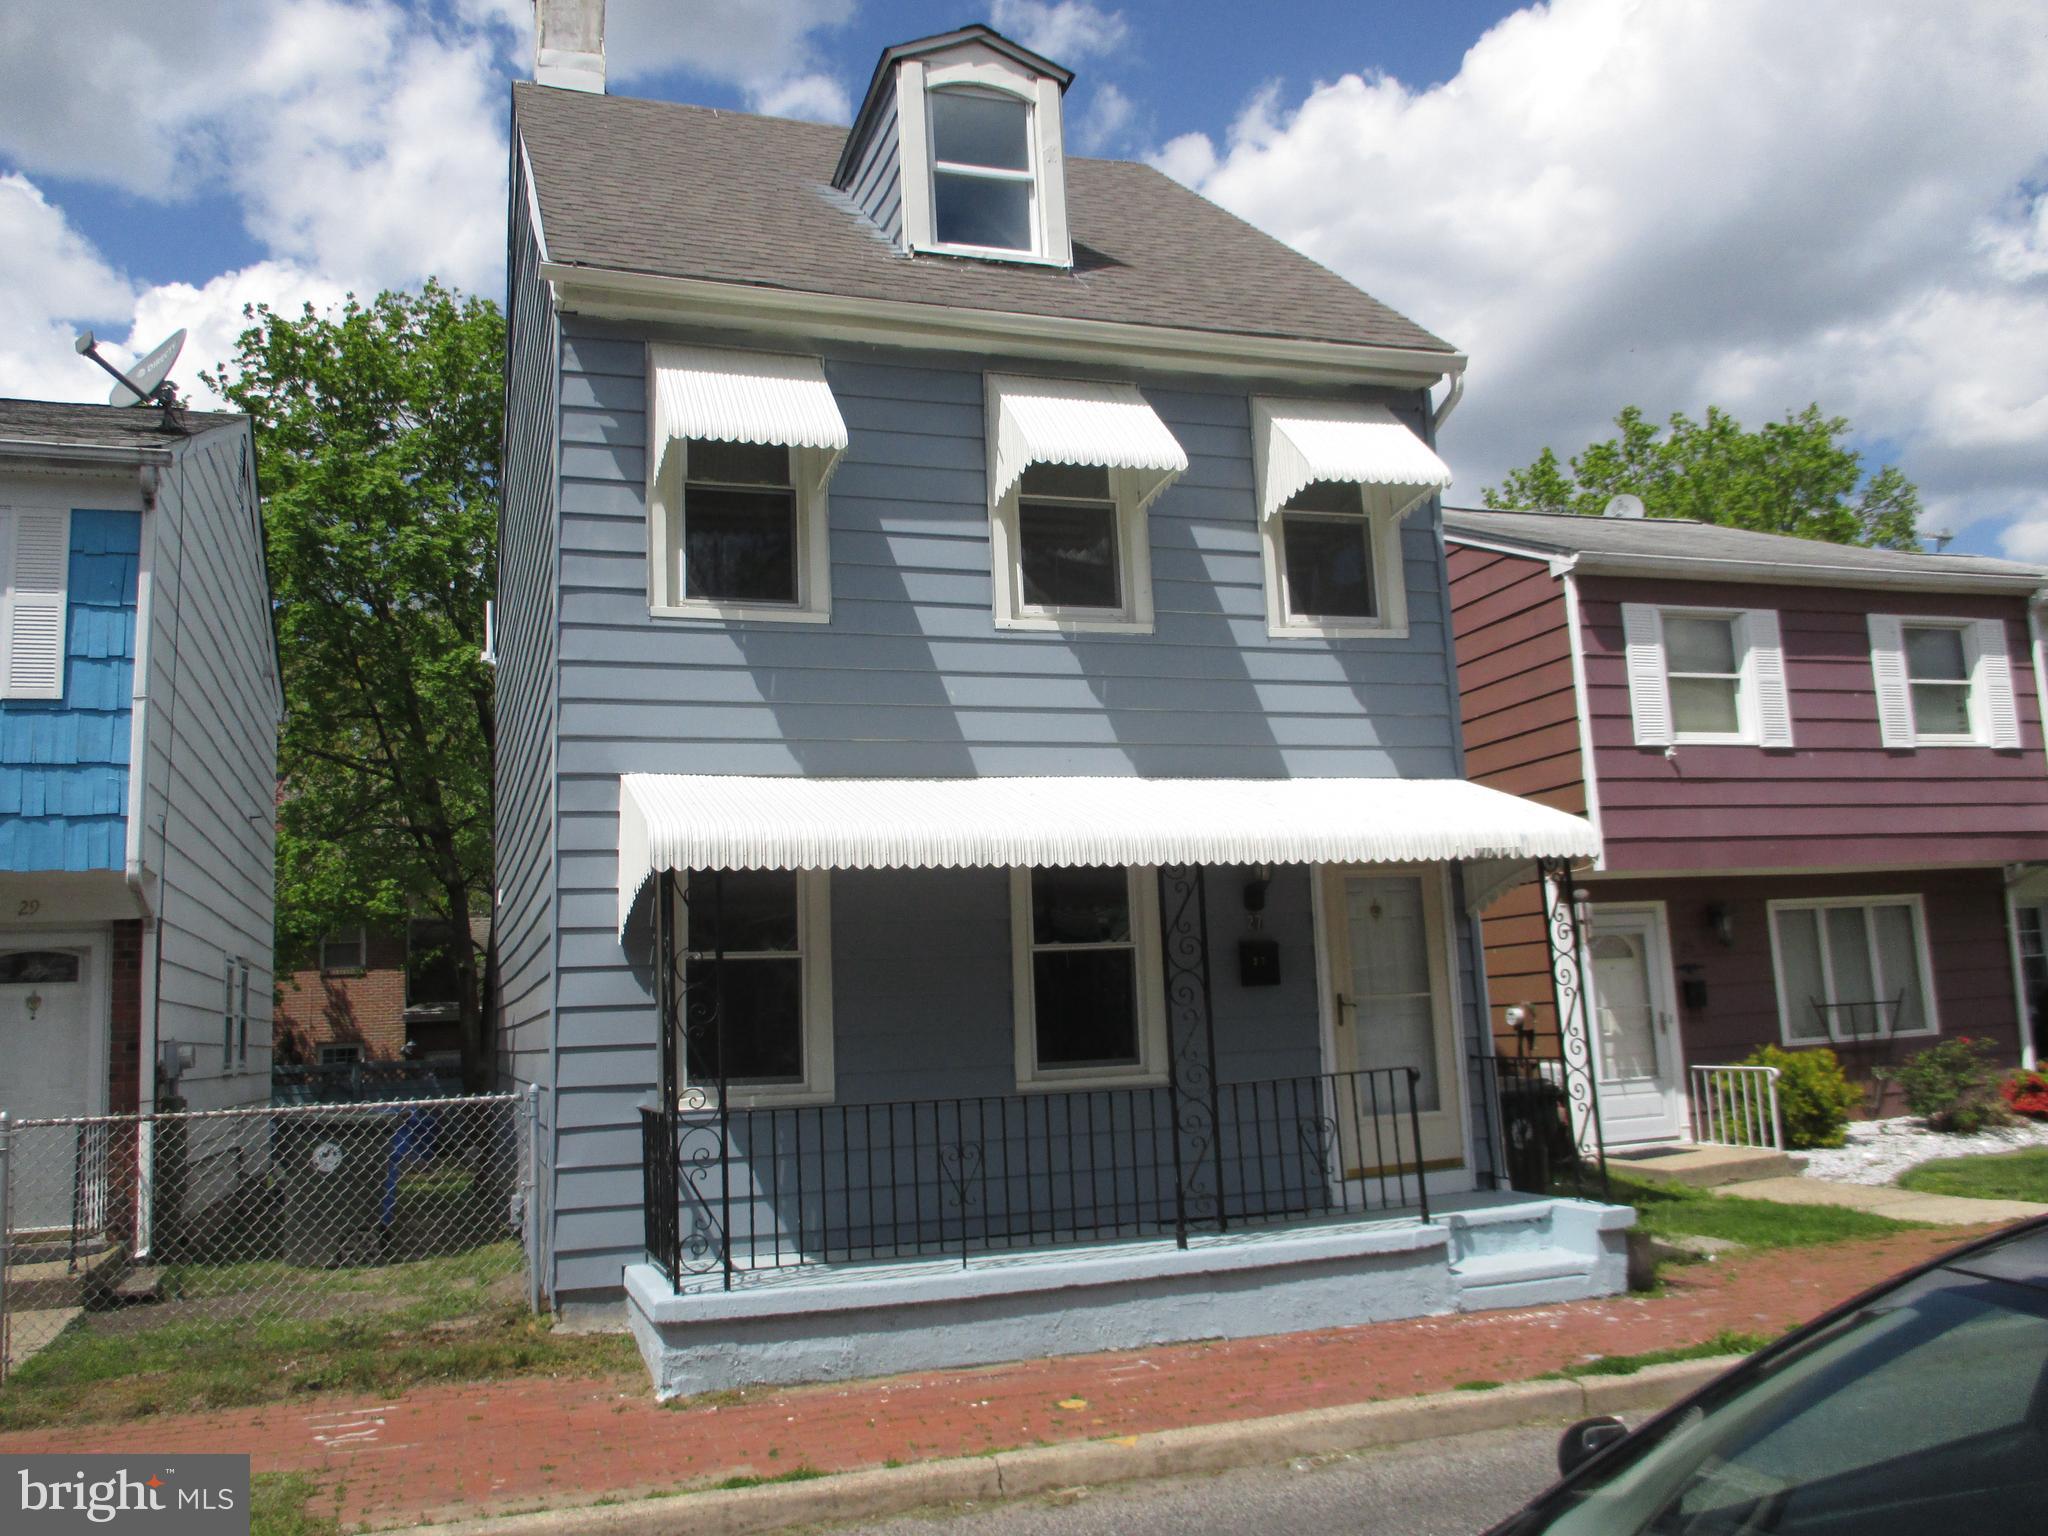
pixel 1878 1151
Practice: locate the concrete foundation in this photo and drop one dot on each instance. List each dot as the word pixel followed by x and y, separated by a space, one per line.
pixel 826 1322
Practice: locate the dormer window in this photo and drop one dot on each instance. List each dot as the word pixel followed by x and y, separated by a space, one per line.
pixel 982 180
pixel 957 151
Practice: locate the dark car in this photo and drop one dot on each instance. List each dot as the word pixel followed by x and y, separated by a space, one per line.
pixel 1920 1406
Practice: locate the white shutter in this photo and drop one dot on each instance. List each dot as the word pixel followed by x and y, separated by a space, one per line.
pixel 1894 692
pixel 32 612
pixel 1991 682
pixel 1649 694
pixel 1767 674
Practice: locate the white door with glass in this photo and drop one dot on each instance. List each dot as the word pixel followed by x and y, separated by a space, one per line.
pixel 1390 981
pixel 1635 1035
pixel 46 1065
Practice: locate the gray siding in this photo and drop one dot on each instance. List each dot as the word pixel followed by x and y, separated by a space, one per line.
pixel 912 678
pixel 209 833
pixel 523 782
pixel 876 186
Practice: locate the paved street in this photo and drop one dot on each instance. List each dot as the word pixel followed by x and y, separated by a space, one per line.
pixel 1450 1487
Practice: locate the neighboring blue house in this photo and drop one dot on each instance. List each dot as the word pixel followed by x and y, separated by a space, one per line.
pixel 985 864
pixel 135 901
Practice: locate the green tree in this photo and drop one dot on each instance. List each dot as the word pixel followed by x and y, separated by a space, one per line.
pixel 377 431
pixel 1793 476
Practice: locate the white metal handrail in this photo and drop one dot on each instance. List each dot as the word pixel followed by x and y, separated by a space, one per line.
pixel 1736 1106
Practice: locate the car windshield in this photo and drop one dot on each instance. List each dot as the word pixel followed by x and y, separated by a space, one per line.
pixel 1926 1411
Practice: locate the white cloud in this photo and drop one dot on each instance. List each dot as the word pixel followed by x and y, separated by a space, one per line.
pixel 819 98
pixel 1735 201
pixel 1066 32
pixel 1106 120
pixel 755 44
pixel 52 281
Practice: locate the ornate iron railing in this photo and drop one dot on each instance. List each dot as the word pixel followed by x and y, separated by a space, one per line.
pixel 735 1191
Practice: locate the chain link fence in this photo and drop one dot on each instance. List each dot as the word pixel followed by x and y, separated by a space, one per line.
pixel 403 1210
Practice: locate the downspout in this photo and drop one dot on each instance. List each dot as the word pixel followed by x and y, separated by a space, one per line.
pixel 1450 403
pixel 133 872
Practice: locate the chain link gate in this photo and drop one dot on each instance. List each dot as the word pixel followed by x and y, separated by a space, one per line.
pixel 276 1214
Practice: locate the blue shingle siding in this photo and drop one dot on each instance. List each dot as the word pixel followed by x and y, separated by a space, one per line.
pixel 64 762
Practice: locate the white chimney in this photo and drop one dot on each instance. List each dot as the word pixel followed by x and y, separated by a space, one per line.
pixel 568 44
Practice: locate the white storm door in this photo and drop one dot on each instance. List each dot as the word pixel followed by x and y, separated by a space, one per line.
pixel 1635 1041
pixel 46 1065
pixel 1390 979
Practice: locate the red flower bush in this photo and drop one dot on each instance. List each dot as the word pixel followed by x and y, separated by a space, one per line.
pixel 2026 1092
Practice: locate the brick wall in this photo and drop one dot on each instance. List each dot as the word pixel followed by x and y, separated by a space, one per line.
pixel 124 1052
pixel 365 1007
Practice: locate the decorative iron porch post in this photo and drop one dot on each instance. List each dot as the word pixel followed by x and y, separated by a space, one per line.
pixel 1564 930
pixel 1190 1050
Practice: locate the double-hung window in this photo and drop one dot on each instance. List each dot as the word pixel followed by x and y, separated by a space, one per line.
pixel 757 963
pixel 1090 1008
pixel 1942 682
pixel 1073 464
pixel 1851 969
pixel 345 949
pixel 1335 479
pixel 1706 676
pixel 742 446
pixel 983 181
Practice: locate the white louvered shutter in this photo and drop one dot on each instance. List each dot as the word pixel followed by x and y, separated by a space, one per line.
pixel 32 612
pixel 1649 694
pixel 1991 680
pixel 1894 691
pixel 1767 672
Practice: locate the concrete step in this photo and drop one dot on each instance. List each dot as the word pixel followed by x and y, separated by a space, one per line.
pixel 60 1283
pixel 1701 1166
pixel 138 1286
pixel 1524 1278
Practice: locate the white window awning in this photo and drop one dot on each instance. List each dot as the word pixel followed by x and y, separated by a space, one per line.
pixel 685 821
pixel 1075 421
pixel 1298 442
pixel 744 397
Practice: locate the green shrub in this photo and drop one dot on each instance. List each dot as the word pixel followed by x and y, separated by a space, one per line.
pixel 1953 1086
pixel 1814 1098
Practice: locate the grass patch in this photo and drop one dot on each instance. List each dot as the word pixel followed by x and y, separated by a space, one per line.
pixel 1475 1386
pixel 1995 1176
pixel 280 1504
pixel 1723 1343
pixel 392 1328
pixel 1674 1210
pixel 793 1475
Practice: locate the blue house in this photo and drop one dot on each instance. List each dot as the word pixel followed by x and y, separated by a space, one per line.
pixel 138 727
pixel 985 861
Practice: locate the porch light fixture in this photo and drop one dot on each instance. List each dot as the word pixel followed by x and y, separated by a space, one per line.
pixel 1721 918
pixel 1255 889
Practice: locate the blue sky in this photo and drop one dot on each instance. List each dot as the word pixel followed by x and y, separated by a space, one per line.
pixel 1735 202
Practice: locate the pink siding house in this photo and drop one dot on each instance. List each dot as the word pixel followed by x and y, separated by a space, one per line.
pixel 1818 772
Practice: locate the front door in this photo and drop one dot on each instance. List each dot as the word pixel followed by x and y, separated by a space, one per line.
pixel 46 1064
pixel 1635 1044
pixel 1390 982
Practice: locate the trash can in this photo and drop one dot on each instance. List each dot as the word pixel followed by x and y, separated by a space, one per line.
pixel 331 1169
pixel 1535 1122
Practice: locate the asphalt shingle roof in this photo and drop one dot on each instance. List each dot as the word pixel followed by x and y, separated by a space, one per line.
pixel 682 191
pixel 64 424
pixel 1685 538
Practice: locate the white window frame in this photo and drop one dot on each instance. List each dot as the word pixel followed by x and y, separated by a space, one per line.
pixel 666 510
pixel 1133 616
pixel 1763 696
pixel 242 1016
pixel 814 955
pixel 977 68
pixel 1923 949
pixel 361 943
pixel 340 1053
pixel 1150 1068
pixel 1977 683
pixel 1389 574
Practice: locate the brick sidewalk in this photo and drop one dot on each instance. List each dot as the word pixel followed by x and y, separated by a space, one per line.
pixel 457 1451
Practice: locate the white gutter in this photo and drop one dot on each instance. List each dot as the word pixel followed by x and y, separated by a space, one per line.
pixel 138 698
pixel 611 294
pixel 71 455
pixel 1450 404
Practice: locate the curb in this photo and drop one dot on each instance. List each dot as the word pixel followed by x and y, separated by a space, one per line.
pixel 879 1492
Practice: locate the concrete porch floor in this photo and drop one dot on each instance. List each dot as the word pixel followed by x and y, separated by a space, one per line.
pixel 1700 1165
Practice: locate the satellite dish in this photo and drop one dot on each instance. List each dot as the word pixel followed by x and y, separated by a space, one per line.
pixel 1623 505
pixel 140 382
